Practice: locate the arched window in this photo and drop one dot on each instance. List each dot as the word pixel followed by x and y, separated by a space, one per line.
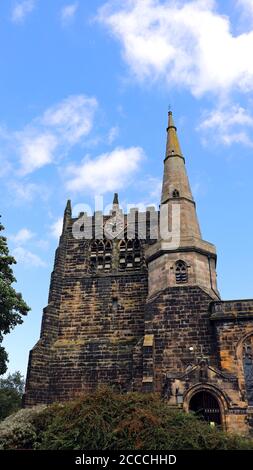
pixel 175 193
pixel 181 272
pixel 129 254
pixel 101 255
pixel 247 356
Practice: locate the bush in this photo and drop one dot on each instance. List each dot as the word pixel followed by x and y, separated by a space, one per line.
pixel 106 420
pixel 18 431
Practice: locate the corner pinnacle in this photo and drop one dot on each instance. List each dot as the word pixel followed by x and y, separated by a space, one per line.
pixel 116 199
pixel 68 209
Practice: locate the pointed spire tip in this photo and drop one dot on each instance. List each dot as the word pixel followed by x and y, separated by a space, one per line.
pixel 171 121
pixel 173 145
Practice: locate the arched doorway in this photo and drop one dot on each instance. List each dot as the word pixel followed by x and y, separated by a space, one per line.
pixel 205 405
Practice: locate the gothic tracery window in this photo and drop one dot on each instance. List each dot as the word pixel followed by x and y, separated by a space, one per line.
pixel 181 272
pixel 248 368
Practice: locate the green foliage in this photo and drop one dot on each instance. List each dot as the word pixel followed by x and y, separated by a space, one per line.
pixel 12 305
pixel 106 420
pixel 3 360
pixel 18 431
pixel 11 391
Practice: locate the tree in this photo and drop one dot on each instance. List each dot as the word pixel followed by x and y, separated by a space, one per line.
pixel 12 305
pixel 11 391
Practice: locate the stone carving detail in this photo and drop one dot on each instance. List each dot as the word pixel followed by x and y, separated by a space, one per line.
pixel 203 369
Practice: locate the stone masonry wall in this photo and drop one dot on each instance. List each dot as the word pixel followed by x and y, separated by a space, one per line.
pixel 179 319
pixel 233 322
pixel 38 372
pixel 92 328
pixel 96 339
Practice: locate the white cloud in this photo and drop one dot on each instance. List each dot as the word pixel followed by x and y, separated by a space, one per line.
pixel 24 255
pixel 228 125
pixel 108 172
pixel 246 5
pixel 5 165
pixel 60 127
pixel 26 192
pixel 42 244
pixel 68 12
pixel 21 10
pixel 36 151
pixel 154 186
pixel 150 189
pixel 113 134
pixel 56 228
pixel 187 44
pixel 245 15
pixel 22 236
pixel 27 258
pixel 72 118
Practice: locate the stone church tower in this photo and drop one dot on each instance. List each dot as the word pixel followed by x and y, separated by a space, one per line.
pixel 145 314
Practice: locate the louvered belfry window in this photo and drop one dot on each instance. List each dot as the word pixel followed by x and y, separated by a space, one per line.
pixel 101 255
pixel 130 254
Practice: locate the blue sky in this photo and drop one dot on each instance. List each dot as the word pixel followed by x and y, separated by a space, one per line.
pixel 84 93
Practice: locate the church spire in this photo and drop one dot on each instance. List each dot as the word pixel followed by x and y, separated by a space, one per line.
pixel 175 179
pixel 183 249
pixel 176 187
pixel 173 146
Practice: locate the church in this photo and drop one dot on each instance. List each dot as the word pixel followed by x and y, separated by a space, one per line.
pixel 142 314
